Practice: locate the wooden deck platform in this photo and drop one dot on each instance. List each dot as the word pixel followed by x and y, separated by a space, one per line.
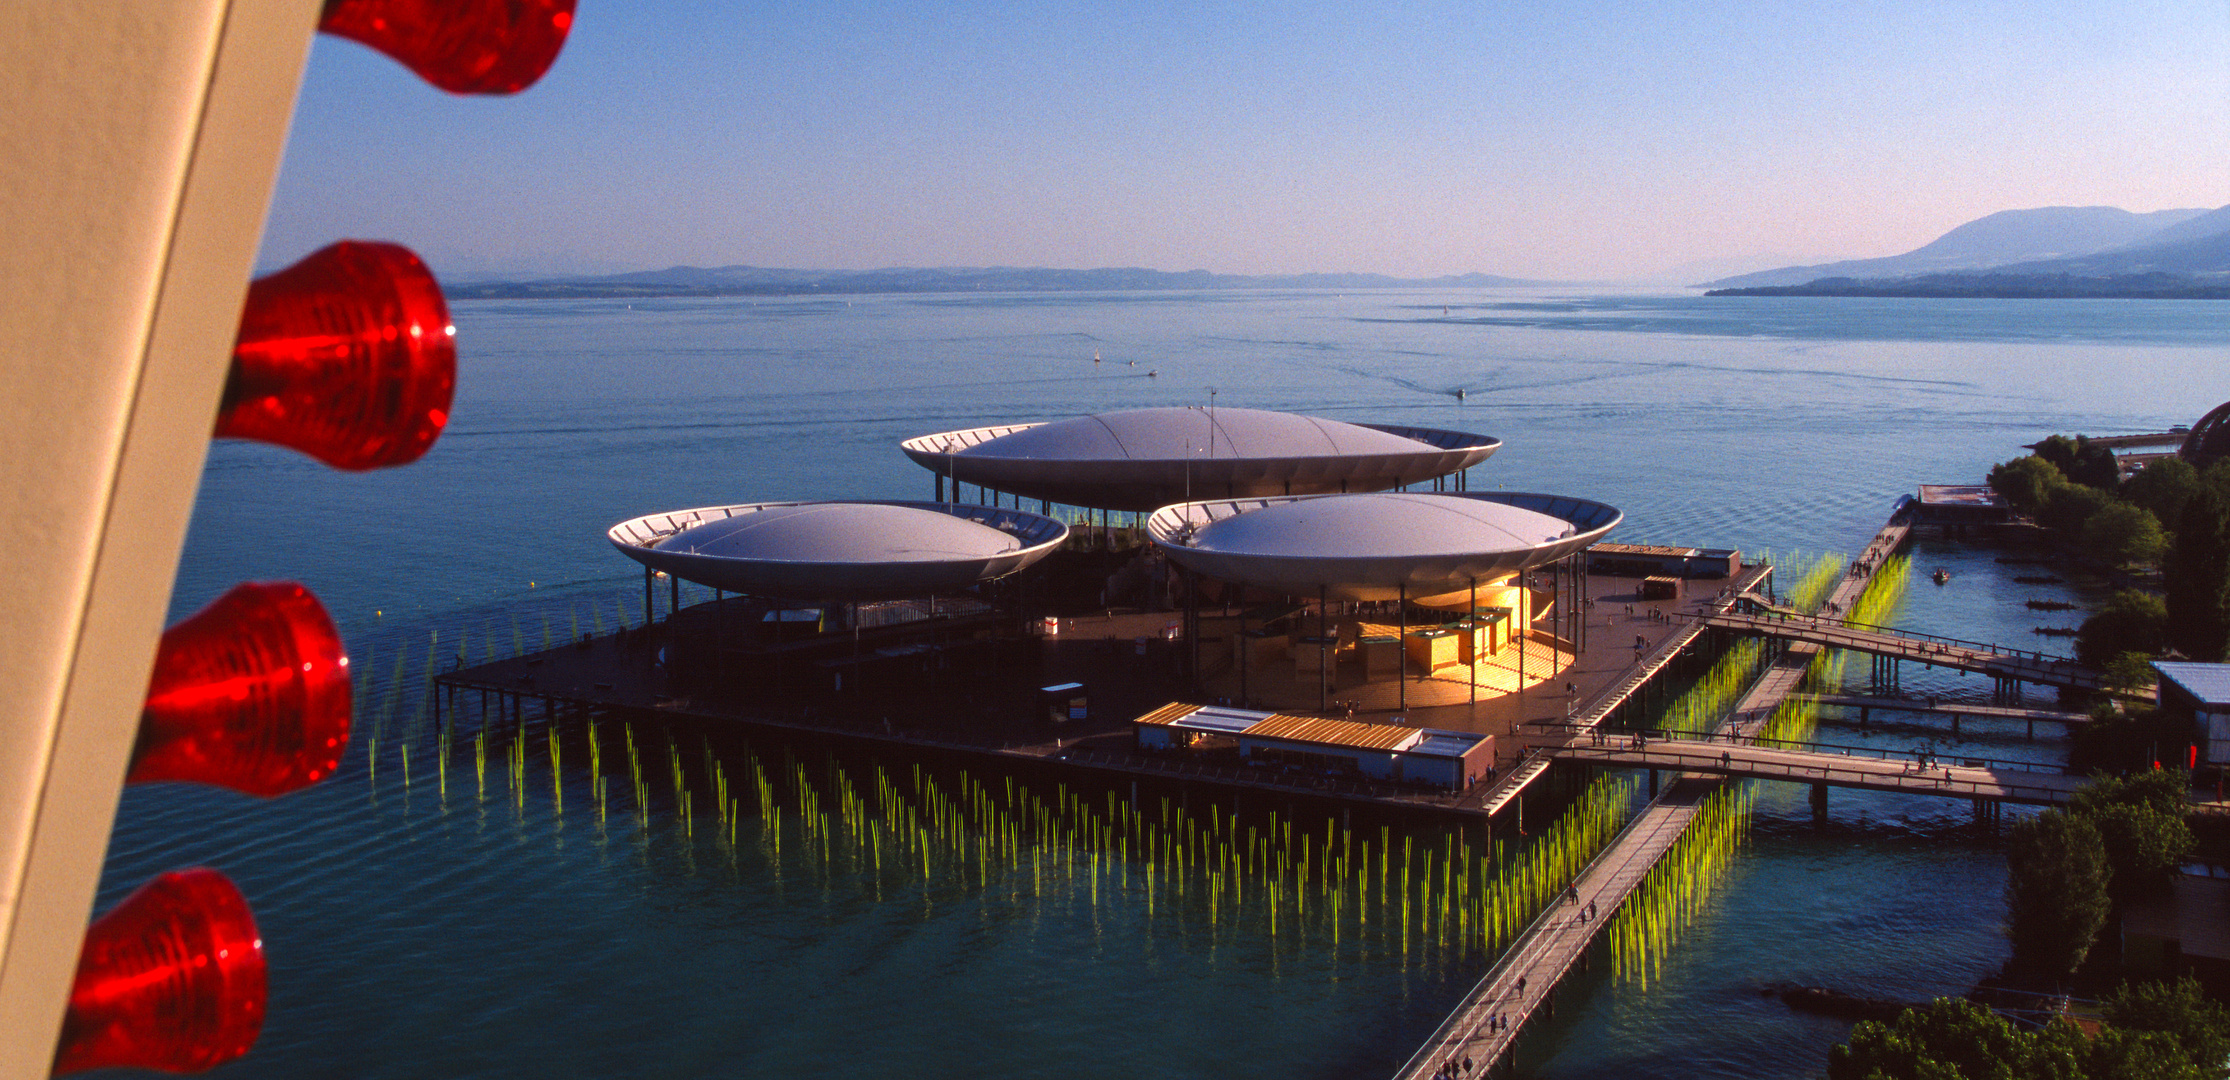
pixel 1951 708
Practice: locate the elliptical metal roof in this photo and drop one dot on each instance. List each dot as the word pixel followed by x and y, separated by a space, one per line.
pixel 1369 547
pixel 1140 459
pixel 839 550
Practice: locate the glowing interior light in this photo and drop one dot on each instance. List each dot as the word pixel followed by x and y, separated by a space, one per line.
pixel 250 693
pixel 462 46
pixel 323 365
pixel 172 978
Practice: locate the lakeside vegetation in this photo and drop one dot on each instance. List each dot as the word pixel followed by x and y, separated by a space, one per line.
pixel 2119 842
pixel 2145 1031
pixel 2169 523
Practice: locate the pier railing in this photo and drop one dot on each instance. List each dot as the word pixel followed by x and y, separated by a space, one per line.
pixel 1456 1028
pixel 1825 622
pixel 1619 740
pixel 1257 775
pixel 1802 767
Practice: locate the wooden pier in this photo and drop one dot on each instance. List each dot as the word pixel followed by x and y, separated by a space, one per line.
pixel 2003 664
pixel 1784 674
pixel 1902 774
pixel 1954 709
pixel 1482 1030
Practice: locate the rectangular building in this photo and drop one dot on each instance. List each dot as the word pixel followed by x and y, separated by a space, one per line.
pixel 1961 504
pixel 2202 692
pixel 1430 757
pixel 1646 560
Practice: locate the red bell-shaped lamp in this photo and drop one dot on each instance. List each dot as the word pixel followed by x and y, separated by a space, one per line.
pixel 462 46
pixel 172 979
pixel 347 356
pixel 250 693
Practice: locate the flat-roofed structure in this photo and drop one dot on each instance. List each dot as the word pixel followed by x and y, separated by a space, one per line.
pixel 840 550
pixel 2202 692
pixel 1962 504
pixel 1142 459
pixel 1432 757
pixel 1644 560
pixel 1377 546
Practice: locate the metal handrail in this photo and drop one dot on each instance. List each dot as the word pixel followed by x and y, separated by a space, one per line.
pixel 1540 920
pixel 1821 774
pixel 1829 623
pixel 1848 750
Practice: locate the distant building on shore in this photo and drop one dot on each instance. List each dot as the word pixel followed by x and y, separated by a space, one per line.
pixel 1961 504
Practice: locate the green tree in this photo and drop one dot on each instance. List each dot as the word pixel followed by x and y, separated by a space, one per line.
pixel 2123 534
pixel 2196 575
pixel 2026 483
pixel 2116 1054
pixel 2163 487
pixel 2055 891
pixel 2143 847
pixel 2153 1031
pixel 2167 791
pixel 2141 819
pixel 2095 466
pixel 1949 1039
pixel 2128 743
pixel 2179 1010
pixel 2071 506
pixel 2082 461
pixel 2130 671
pixel 2131 621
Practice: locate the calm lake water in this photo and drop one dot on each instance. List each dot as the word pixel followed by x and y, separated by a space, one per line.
pixel 415 932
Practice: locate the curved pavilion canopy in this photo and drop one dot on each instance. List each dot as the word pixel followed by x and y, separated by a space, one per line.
pixel 2209 440
pixel 1376 546
pixel 1142 459
pixel 833 551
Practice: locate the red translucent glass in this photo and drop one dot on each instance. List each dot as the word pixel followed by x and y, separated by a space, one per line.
pixel 250 693
pixel 462 46
pixel 170 979
pixel 347 356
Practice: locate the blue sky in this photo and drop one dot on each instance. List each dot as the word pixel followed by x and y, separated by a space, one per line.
pixel 1565 140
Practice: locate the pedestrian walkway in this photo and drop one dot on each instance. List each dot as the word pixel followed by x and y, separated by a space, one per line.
pixel 1963 779
pixel 1520 985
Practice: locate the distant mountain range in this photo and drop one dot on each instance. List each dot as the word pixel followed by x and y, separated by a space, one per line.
pixel 2050 251
pixel 761 281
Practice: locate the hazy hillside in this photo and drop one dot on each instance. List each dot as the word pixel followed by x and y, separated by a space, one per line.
pixel 2001 239
pixel 2212 223
pixel 2201 256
